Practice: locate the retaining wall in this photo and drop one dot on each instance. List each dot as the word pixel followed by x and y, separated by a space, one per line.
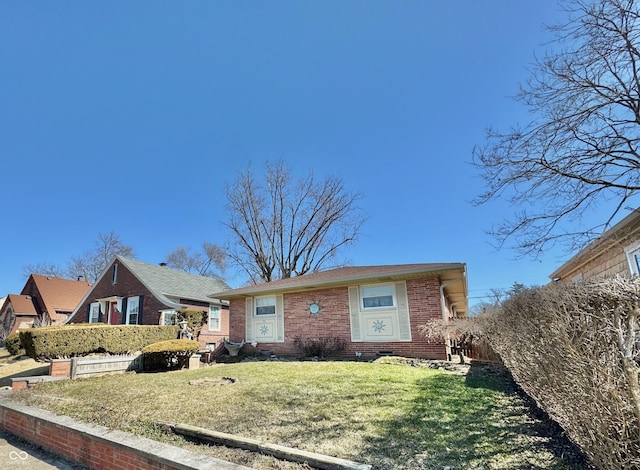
pixel 98 447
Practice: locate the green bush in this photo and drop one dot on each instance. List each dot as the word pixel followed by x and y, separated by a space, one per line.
pixel 13 344
pixel 171 354
pixel 323 346
pixel 56 342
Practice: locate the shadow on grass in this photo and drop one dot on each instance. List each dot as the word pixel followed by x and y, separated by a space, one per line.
pixel 477 421
pixel 5 381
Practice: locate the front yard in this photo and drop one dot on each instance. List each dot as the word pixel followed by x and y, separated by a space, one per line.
pixel 390 416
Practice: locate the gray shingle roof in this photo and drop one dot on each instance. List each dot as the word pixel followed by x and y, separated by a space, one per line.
pixel 166 283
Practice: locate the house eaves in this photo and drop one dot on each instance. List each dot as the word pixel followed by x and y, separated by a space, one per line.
pixel 597 247
pixel 452 274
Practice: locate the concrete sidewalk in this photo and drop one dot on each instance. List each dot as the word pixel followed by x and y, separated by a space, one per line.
pixel 18 454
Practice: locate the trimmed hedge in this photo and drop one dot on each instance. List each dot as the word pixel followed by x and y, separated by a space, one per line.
pixel 171 354
pixel 58 342
pixel 13 344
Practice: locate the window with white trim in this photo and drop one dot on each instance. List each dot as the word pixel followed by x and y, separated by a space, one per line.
pixel 633 258
pixel 379 296
pixel 265 305
pixel 265 319
pixel 214 317
pixel 133 307
pixel 169 317
pixel 94 312
pixel 114 274
pixel 379 313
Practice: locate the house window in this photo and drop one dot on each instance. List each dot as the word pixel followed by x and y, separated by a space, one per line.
pixel 633 258
pixel 266 305
pixel 169 317
pixel 133 313
pixel 380 313
pixel 214 317
pixel 114 274
pixel 377 296
pixel 265 319
pixel 94 312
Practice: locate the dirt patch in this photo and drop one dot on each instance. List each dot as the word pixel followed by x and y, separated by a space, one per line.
pixel 446 366
pixel 214 381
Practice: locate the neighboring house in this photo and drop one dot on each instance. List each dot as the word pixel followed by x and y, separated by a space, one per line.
pixel 16 312
pixel 43 301
pixel 615 252
pixel 376 310
pixel 131 292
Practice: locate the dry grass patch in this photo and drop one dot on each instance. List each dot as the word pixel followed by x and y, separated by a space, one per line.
pixel 391 416
pixel 18 366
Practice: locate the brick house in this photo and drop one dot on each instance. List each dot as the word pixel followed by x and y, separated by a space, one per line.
pixel 44 300
pixel 376 310
pixel 615 252
pixel 131 292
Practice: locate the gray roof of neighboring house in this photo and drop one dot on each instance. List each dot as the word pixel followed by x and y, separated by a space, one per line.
pixel 166 283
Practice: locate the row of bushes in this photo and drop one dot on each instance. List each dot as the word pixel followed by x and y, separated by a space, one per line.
pixel 56 342
pixel 575 349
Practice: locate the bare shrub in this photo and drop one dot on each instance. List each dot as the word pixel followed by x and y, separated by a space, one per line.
pixel 575 350
pixel 324 346
pixel 467 331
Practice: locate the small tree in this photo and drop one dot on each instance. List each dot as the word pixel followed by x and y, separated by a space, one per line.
pixel 465 330
pixel 196 319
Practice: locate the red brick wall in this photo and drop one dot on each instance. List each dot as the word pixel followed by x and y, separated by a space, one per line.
pixel 215 336
pixel 424 304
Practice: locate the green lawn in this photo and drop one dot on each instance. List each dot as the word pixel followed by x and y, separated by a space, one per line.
pixel 391 416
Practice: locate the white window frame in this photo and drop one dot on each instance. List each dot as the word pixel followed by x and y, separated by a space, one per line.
pixel 94 310
pixel 259 300
pixel 372 287
pixel 218 316
pixel 114 275
pixel 633 258
pixel 131 301
pixel 380 324
pixel 163 317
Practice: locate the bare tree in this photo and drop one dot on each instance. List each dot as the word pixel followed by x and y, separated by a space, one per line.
pixel 283 228
pixel 581 149
pixel 44 269
pixel 211 261
pixel 90 265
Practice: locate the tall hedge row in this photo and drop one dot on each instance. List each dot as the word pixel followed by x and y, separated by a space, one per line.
pixel 57 342
pixel 575 349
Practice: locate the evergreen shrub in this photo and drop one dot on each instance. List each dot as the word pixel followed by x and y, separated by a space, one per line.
pixel 13 344
pixel 171 354
pixel 59 342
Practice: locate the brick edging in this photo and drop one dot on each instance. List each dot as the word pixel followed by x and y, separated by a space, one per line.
pixel 97 446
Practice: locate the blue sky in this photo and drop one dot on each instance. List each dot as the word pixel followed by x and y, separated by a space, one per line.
pixel 132 117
